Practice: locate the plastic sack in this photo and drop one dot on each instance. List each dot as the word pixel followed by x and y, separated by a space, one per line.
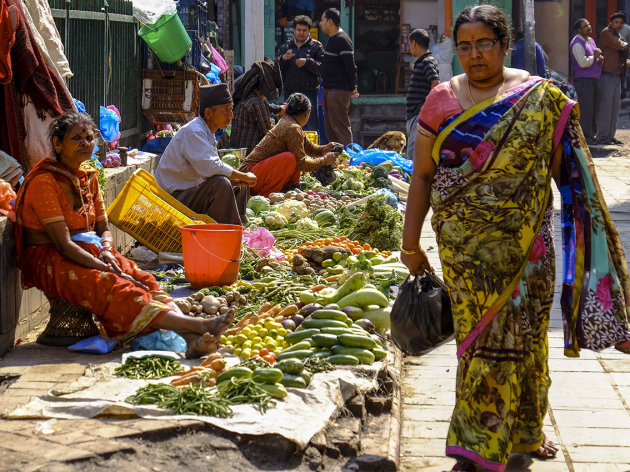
pixel 109 124
pixel 160 340
pixel 88 237
pixel 150 11
pixel 261 242
pixel 7 197
pixel 421 318
pixel 156 145
pixel 79 105
pixel 377 156
pixel 94 345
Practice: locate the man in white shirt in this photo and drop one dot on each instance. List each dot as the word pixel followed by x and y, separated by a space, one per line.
pixel 190 168
pixel 586 58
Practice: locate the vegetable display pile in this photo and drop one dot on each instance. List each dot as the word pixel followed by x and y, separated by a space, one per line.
pixel 151 367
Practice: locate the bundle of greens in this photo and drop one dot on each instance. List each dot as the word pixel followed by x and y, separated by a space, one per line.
pixel 150 367
pixel 379 225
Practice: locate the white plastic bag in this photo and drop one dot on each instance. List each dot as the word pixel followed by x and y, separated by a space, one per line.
pixel 149 11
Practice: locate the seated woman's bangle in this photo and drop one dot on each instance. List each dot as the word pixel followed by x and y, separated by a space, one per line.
pixel 410 251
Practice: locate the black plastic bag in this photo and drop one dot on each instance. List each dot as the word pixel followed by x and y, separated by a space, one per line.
pixel 326 175
pixel 421 318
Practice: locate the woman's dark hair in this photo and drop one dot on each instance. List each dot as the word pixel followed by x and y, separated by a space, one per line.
pixel 297 104
pixel 302 20
pixel 333 15
pixel 489 15
pixel 61 125
pixel 618 14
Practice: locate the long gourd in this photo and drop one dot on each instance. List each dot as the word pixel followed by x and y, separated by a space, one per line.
pixel 364 298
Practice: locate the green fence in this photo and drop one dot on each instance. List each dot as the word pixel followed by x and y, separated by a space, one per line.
pixel 106 71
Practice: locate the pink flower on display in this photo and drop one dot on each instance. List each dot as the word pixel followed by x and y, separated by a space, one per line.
pixel 538 250
pixel 517 292
pixel 479 156
pixel 604 292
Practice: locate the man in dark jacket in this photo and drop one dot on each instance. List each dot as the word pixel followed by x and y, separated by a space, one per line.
pixel 299 60
pixel 339 78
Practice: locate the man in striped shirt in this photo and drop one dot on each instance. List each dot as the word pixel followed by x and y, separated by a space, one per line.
pixel 424 77
pixel 190 168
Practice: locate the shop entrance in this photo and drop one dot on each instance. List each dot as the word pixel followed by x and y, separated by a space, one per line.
pixel 286 10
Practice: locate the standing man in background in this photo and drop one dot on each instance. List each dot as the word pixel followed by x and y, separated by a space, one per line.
pixel 300 59
pixel 339 78
pixel 614 50
pixel 587 59
pixel 424 77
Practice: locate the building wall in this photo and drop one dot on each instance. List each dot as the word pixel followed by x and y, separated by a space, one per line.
pixel 553 32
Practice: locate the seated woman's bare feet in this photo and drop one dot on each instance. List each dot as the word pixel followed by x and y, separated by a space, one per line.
pixel 201 345
pixel 547 450
pixel 218 324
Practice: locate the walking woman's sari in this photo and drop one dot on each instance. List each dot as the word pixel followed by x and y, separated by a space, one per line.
pixel 493 217
pixel 51 193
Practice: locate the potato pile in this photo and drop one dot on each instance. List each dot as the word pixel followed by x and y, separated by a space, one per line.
pixel 208 306
pixel 313 200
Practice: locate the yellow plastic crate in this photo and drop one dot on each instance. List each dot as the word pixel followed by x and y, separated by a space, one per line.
pixel 151 215
pixel 312 136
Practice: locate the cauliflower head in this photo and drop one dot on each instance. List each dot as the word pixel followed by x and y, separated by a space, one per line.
pixel 288 207
pixel 306 223
pixel 274 220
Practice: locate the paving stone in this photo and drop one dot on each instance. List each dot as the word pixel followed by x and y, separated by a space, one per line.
pixel 44 449
pixel 11 461
pixel 601 467
pixel 426 464
pixel 615 419
pixel 577 437
pixel 563 401
pixel 105 447
pixel 71 438
pixel 426 413
pixel 431 430
pixel 574 365
pixel 621 378
pixel 423 447
pixel 110 431
pixel 617 365
pixel 596 454
pixel 8 404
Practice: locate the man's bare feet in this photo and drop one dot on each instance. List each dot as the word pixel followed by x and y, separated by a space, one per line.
pixel 201 345
pixel 547 450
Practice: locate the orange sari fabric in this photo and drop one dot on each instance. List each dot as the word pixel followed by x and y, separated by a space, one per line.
pixel 124 309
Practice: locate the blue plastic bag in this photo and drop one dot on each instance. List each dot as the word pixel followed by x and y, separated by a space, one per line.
pixel 377 156
pixel 80 106
pixel 109 125
pixel 156 145
pixel 88 237
pixel 160 340
pixel 94 345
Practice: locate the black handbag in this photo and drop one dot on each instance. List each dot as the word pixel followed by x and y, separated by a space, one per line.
pixel 421 318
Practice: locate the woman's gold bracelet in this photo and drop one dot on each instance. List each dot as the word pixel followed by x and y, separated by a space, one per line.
pixel 410 251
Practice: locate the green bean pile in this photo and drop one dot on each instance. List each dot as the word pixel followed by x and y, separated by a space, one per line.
pixel 293 238
pixel 192 400
pixel 317 364
pixel 243 390
pixel 154 367
pixel 283 288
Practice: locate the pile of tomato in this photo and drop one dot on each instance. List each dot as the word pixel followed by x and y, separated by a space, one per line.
pixel 355 247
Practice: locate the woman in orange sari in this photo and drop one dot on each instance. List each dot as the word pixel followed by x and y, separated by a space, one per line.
pixel 65 248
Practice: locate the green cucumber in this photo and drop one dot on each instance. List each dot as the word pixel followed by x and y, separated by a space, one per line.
pixel 379 353
pixel 306 375
pixel 377 339
pixel 290 366
pixel 342 359
pixel 276 390
pixel 297 336
pixel 301 354
pixel 336 331
pixel 364 356
pixel 364 298
pixel 357 340
pixel 294 381
pixel 320 355
pixel 266 375
pixel 315 323
pixel 325 314
pixel 325 340
pixel 238 372
pixel 304 344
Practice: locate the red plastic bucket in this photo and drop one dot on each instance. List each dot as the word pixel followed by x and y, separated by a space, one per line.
pixel 212 254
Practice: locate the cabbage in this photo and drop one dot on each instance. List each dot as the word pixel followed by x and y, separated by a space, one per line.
pixel 258 203
pixel 232 160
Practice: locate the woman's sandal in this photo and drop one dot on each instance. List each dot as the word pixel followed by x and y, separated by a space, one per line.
pixel 462 466
pixel 547 450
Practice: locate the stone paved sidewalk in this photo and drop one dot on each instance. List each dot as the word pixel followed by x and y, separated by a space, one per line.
pixel 589 412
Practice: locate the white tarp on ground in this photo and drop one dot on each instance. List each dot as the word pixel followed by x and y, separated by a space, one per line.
pixel 298 417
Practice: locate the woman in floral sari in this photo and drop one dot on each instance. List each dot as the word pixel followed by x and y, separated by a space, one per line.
pixel 65 248
pixel 489 143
